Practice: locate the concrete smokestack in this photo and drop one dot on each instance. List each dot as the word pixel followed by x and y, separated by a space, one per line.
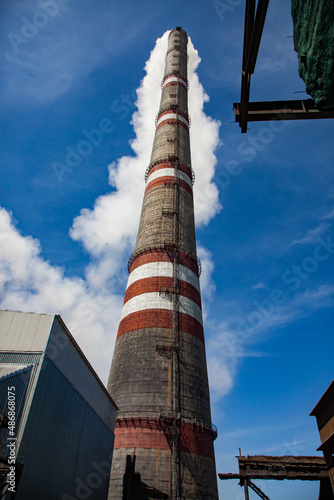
pixel 158 376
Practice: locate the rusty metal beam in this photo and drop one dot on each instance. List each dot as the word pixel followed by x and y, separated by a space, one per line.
pixel 258 490
pixel 246 489
pixel 252 37
pixel 255 40
pixel 229 475
pixel 280 110
pixel 249 23
pixel 286 467
pixel 245 78
pixel 244 101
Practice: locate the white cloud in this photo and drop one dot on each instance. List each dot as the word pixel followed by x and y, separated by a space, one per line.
pixel 258 286
pixel 208 286
pixel 254 431
pixel 223 349
pixel 261 322
pixel 313 234
pixel 221 377
pixel 330 215
pixel 29 283
pixel 204 139
pixel 294 447
pixel 115 217
pixel 227 344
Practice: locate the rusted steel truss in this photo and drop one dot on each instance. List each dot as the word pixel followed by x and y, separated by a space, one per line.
pixel 280 110
pixel 285 467
pixel 270 467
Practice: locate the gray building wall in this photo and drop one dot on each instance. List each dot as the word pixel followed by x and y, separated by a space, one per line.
pixel 67 446
pixel 66 432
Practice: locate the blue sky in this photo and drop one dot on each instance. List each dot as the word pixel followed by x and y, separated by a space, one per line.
pixel 266 243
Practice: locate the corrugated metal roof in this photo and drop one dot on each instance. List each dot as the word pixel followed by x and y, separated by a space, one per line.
pixel 20 358
pixel 6 370
pixel 24 331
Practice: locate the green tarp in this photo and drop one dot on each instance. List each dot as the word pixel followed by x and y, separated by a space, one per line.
pixel 313 34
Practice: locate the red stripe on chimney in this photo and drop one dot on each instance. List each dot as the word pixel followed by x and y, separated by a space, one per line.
pixel 163 255
pixel 164 284
pixel 172 121
pixel 161 181
pixel 150 433
pixel 159 318
pixel 163 165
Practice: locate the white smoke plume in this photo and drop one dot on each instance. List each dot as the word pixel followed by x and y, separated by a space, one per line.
pixel 88 306
pixel 114 219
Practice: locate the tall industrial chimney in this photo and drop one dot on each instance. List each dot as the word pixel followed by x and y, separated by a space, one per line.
pixel 158 376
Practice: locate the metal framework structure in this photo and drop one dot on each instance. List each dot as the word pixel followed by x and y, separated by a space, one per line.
pixel 246 111
pixel 304 468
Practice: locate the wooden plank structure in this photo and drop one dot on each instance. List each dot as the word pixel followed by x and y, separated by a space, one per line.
pixel 305 468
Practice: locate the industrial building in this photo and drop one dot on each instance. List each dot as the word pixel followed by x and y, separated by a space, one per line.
pixel 158 378
pixel 57 419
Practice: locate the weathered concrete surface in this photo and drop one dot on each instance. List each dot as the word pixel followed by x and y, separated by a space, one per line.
pixel 147 368
pixel 156 227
